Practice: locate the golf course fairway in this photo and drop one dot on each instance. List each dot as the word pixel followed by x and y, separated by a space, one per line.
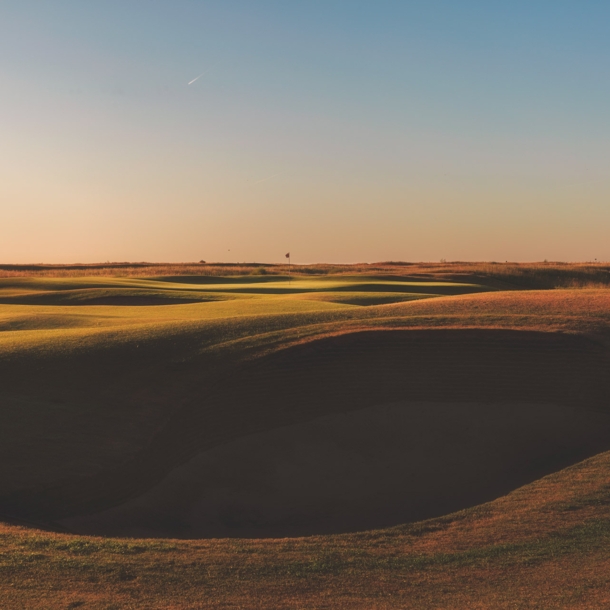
pixel 350 437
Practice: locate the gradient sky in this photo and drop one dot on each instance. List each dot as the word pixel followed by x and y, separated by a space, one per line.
pixel 342 131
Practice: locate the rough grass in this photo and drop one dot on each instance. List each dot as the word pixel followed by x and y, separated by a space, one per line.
pixel 543 546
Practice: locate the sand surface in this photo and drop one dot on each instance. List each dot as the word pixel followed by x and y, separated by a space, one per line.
pixel 356 470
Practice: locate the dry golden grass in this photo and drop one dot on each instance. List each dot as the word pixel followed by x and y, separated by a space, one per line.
pixel 578 310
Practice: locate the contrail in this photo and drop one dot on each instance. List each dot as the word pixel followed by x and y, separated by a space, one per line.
pixel 204 72
pixel 269 178
pixel 197 78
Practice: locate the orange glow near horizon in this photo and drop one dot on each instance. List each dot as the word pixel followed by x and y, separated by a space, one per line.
pixel 347 138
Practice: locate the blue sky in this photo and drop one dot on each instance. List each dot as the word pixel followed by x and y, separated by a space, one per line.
pixel 343 131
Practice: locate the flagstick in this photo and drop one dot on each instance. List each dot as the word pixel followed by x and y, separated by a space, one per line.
pixel 289 268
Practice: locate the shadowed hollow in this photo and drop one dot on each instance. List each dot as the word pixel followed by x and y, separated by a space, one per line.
pixel 466 415
pixel 358 470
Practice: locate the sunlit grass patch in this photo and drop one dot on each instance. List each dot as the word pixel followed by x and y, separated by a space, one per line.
pixel 362 299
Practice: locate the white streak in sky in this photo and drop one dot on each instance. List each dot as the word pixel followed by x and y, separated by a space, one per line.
pixel 196 78
pixel 269 178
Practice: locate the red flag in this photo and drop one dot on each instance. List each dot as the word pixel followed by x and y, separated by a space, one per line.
pixel 288 255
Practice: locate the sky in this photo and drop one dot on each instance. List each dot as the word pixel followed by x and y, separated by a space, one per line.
pixel 341 131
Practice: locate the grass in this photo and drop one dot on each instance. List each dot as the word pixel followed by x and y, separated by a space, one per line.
pixel 96 369
pixel 519 551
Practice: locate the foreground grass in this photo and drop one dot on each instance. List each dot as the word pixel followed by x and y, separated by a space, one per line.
pixel 543 546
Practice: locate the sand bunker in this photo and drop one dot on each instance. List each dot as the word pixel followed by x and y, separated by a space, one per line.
pixel 356 470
